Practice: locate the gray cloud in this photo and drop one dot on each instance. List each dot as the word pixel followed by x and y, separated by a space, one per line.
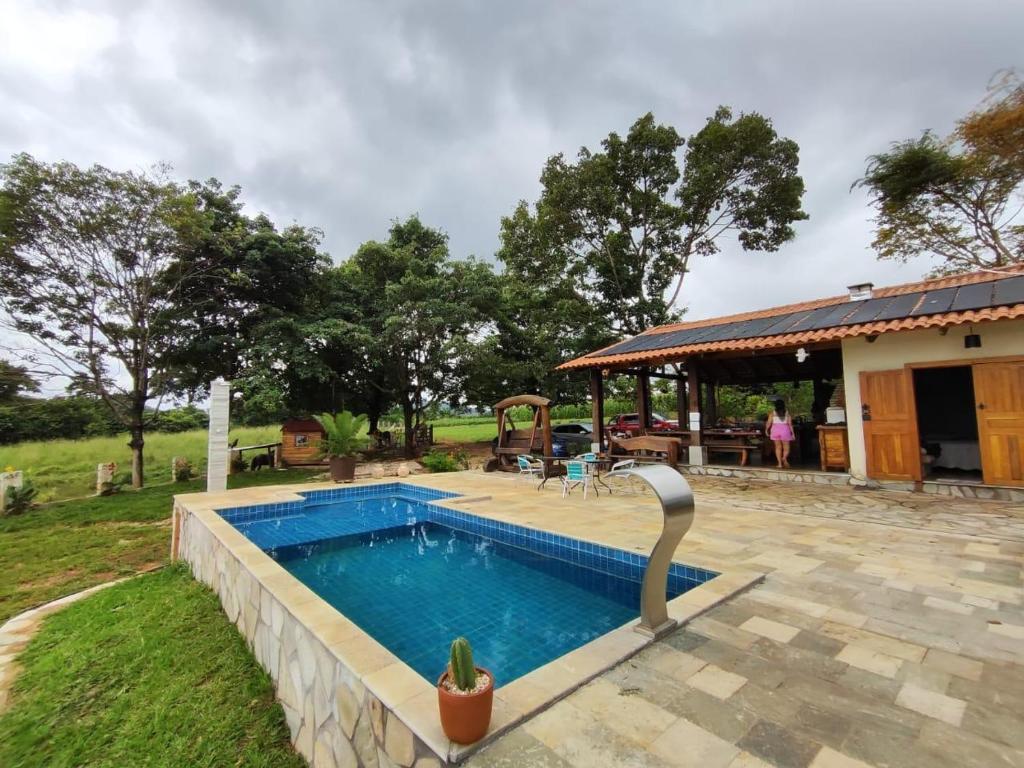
pixel 346 116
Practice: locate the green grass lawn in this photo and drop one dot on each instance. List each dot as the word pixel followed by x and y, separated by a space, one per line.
pixel 63 469
pixel 146 673
pixel 66 547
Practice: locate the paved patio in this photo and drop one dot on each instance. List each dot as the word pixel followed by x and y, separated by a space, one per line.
pixel 889 632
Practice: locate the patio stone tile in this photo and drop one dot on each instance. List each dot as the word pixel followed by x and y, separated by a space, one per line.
pixel 822 725
pixel 980 602
pixel 747 760
pixel 678 664
pixel 779 746
pixel 685 744
pixel 685 640
pixel 815 643
pixel 932 704
pixel 518 749
pixel 830 758
pixel 773 630
pixel 953 663
pixel 888 745
pixel 851 618
pixel 999 723
pixel 716 681
pixel 929 678
pixel 1013 631
pixel 948 605
pixel 958 748
pixel 869 660
pixel 630 716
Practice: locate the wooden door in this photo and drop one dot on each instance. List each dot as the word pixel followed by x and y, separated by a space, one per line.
pixel 890 425
pixel 999 398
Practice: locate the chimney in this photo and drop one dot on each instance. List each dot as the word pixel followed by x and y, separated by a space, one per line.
pixel 861 291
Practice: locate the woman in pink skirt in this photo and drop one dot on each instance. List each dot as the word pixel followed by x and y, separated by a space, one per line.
pixel 780 430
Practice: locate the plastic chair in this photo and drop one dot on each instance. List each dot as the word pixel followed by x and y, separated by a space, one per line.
pixel 577 473
pixel 530 467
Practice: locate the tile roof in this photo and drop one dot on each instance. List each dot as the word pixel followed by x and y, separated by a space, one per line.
pixel 940 302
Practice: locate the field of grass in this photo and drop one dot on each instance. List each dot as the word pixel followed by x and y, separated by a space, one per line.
pixel 149 672
pixel 56 550
pixel 63 469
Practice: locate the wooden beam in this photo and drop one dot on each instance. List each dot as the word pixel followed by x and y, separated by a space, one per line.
pixel 643 400
pixel 681 402
pixel 650 374
pixel 597 405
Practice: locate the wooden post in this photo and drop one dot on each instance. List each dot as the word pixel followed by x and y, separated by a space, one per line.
pixel 681 402
pixel 643 400
pixel 597 406
pixel 693 395
pixel 711 389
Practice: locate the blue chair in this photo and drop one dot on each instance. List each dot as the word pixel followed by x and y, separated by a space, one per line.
pixel 577 473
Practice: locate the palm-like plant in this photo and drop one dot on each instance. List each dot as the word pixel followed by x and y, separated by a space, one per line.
pixel 341 433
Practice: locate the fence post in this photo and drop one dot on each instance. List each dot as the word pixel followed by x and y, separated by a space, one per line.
pixel 8 480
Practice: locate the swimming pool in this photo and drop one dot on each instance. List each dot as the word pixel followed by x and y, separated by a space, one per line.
pixel 414 575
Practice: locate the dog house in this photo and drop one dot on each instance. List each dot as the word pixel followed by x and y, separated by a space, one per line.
pixel 300 442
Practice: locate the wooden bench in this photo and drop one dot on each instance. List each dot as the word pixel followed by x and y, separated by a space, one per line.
pixel 743 449
pixel 630 448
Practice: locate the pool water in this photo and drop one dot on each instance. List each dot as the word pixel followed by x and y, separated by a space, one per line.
pixel 415 576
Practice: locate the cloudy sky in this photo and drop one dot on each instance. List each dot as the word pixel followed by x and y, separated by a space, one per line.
pixel 345 115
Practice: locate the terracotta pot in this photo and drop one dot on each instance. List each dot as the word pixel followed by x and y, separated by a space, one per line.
pixel 343 468
pixel 465 717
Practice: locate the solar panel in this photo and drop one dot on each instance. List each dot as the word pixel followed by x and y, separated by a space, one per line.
pixel 783 323
pixel 935 302
pixel 1010 291
pixel 810 320
pixel 973 296
pixel 900 306
pixel 976 296
pixel 869 310
pixel 833 318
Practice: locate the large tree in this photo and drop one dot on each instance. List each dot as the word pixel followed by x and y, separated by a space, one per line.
pixel 259 286
pixel 83 257
pixel 15 381
pixel 619 226
pixel 419 308
pixel 958 198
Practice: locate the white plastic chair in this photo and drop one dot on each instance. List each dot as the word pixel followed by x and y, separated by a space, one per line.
pixel 529 467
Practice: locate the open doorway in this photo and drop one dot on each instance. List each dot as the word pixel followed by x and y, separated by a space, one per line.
pixel 947 423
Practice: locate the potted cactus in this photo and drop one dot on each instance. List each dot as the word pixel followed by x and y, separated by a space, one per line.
pixel 465 694
pixel 340 443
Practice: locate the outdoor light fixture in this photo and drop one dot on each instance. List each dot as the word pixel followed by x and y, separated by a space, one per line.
pixel 972 340
pixel 802 354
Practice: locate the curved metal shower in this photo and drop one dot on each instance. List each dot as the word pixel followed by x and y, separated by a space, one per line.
pixel 677 506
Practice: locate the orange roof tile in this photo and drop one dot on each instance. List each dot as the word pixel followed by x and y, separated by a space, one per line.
pixel 945 319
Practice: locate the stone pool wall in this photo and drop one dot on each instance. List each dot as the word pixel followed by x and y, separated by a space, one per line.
pixel 333 718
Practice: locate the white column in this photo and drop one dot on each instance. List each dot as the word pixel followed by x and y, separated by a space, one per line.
pixel 8 480
pixel 217 453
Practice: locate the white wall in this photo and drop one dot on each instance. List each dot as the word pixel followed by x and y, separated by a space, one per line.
pixel 894 350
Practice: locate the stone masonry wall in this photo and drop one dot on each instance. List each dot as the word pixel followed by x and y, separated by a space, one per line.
pixel 334 720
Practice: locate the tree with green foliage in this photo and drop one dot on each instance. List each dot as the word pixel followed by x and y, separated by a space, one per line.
pixel 15 381
pixel 617 227
pixel 418 309
pixel 957 198
pixel 256 294
pixel 83 260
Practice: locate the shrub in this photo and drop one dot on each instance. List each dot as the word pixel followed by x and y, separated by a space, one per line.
pixel 20 500
pixel 451 461
pixel 183 470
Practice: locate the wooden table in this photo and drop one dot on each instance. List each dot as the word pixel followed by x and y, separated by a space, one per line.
pixel 741 441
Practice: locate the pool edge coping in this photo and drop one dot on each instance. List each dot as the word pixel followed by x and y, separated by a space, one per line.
pixel 400 689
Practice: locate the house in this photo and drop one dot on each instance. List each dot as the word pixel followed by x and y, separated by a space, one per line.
pixel 300 442
pixel 928 377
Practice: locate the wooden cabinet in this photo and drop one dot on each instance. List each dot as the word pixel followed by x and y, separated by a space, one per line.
pixel 834 447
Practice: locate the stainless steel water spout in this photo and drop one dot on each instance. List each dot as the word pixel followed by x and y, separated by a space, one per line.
pixel 677 506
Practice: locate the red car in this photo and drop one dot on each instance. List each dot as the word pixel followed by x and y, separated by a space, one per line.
pixel 629 423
